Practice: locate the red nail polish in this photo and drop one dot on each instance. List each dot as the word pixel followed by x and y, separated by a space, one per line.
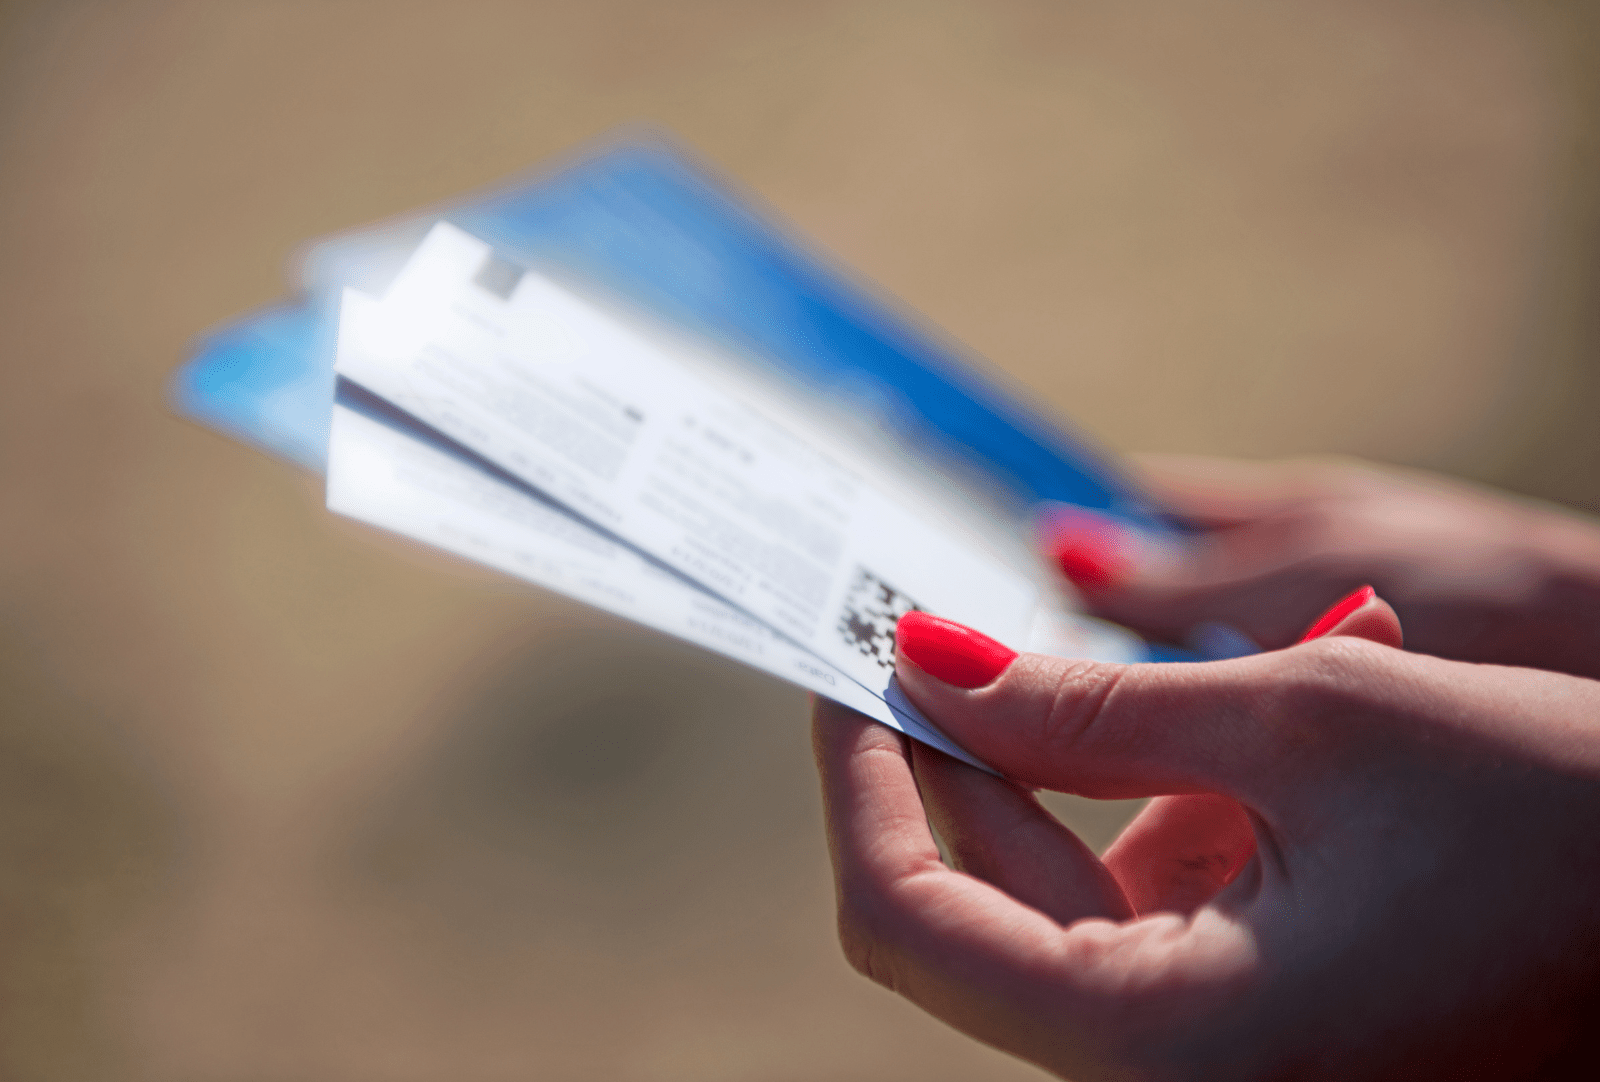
pixel 1342 608
pixel 1089 553
pixel 951 652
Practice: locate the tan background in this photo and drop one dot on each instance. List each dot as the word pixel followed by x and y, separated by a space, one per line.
pixel 280 799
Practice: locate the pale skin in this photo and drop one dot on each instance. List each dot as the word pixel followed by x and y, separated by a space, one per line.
pixel 1363 862
pixel 1474 575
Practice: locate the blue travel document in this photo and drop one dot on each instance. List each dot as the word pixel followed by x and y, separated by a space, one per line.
pixel 642 221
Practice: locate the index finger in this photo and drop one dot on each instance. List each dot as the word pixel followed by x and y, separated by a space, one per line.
pixel 950 943
pixel 1065 998
pixel 878 832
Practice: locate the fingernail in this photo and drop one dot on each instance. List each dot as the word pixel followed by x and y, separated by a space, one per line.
pixel 1342 608
pixel 951 652
pixel 1090 552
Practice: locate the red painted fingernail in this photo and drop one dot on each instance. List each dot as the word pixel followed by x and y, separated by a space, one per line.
pixel 1342 608
pixel 951 652
pixel 1090 553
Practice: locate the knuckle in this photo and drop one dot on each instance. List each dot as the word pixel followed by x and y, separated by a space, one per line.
pixel 1077 701
pixel 1329 678
pixel 865 952
pixel 873 918
pixel 856 946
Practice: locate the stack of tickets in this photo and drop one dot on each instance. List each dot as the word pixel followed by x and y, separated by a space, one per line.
pixel 680 419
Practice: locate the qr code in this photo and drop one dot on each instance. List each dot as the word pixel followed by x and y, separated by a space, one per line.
pixel 871 610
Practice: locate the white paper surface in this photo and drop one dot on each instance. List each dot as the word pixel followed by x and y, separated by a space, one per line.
pixel 799 565
pixel 380 474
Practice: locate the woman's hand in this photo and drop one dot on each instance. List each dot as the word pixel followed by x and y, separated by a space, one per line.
pixel 1474 576
pixel 1377 864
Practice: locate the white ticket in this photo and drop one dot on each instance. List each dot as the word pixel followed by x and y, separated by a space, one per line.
pixel 388 475
pixel 625 456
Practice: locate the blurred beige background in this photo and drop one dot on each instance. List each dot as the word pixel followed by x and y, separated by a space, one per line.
pixel 283 799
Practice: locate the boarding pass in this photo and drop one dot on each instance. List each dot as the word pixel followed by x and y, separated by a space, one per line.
pixel 507 417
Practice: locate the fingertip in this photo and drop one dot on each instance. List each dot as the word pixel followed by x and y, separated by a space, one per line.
pixel 1093 552
pixel 838 731
pixel 1336 612
pixel 1180 851
pixel 1361 614
pixel 839 722
pixel 949 652
pixel 1006 721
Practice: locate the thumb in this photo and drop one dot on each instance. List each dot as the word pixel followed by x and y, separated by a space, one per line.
pixel 1096 729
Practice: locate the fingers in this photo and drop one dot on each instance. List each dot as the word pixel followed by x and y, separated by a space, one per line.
pixel 883 851
pixel 869 793
pixel 1271 555
pixel 1176 856
pixel 1072 999
pixel 1180 851
pixel 998 831
pixel 1114 731
pixel 957 946
pixel 1250 576
pixel 1255 578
